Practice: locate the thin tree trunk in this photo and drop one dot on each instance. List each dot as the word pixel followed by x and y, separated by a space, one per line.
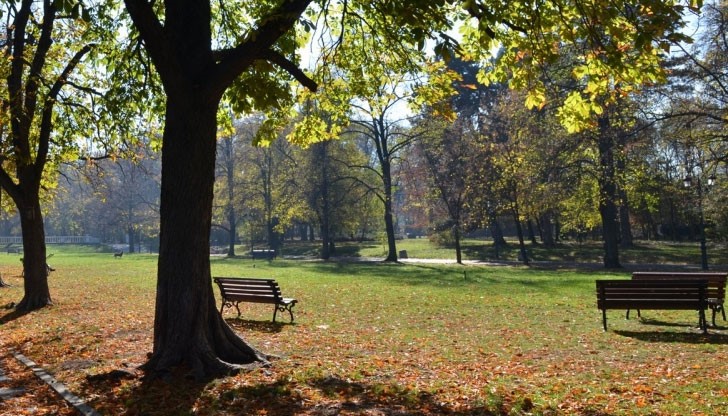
pixel 389 214
pixel 531 233
pixel 521 243
pixel 458 247
pixel 626 239
pixel 496 232
pixel 232 234
pixel 547 229
pixel 130 236
pixel 608 191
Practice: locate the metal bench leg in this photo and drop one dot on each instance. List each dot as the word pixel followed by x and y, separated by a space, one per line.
pixel 275 311
pixel 639 315
pixel 290 311
pixel 604 318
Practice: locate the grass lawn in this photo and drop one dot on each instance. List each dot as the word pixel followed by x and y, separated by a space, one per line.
pixel 374 339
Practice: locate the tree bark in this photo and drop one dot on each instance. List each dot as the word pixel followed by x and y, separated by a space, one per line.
pixel 230 176
pixel 547 228
pixel 35 273
pixel 496 232
pixel 608 191
pixel 188 329
pixel 531 232
pixel 523 256
pixel 389 212
pixel 131 237
pixel 458 247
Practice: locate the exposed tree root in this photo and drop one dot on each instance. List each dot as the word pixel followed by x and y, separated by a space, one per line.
pixel 216 352
pixel 31 303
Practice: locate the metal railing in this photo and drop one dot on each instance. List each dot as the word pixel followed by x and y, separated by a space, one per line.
pixel 62 239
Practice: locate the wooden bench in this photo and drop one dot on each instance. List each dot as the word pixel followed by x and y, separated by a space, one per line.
pixel 234 290
pixel 665 294
pixel 716 285
pixel 263 254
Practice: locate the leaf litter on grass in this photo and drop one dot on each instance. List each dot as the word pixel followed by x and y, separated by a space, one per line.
pixel 378 346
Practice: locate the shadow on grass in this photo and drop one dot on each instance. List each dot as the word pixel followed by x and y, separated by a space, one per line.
pixel 258 326
pixel 657 322
pixel 676 337
pixel 11 316
pixel 340 396
pixel 151 398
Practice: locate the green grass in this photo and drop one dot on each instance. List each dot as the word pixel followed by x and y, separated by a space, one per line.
pixel 375 338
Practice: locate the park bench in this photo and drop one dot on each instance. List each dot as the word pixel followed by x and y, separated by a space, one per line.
pixel 263 254
pixel 716 285
pixel 118 253
pixel 234 290
pixel 667 294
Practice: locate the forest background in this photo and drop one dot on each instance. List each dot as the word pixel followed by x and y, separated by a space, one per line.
pixel 486 166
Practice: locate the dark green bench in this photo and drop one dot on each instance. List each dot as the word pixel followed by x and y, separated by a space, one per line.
pixel 668 294
pixel 234 290
pixel 716 285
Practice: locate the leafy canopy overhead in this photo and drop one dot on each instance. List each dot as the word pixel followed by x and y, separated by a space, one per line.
pixel 617 47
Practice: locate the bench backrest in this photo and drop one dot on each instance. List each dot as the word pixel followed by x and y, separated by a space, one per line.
pixel 652 294
pixel 249 289
pixel 716 280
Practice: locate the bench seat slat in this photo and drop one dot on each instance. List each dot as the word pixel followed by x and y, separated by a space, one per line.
pixel 653 294
pixel 234 290
pixel 716 285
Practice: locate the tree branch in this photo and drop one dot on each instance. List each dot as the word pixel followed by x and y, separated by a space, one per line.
pixel 256 44
pixel 291 68
pixel 46 124
pixel 151 30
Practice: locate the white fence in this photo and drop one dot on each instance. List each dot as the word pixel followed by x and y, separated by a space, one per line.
pixel 62 239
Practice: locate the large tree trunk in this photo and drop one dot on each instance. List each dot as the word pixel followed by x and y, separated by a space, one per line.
pixel 188 329
pixel 35 272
